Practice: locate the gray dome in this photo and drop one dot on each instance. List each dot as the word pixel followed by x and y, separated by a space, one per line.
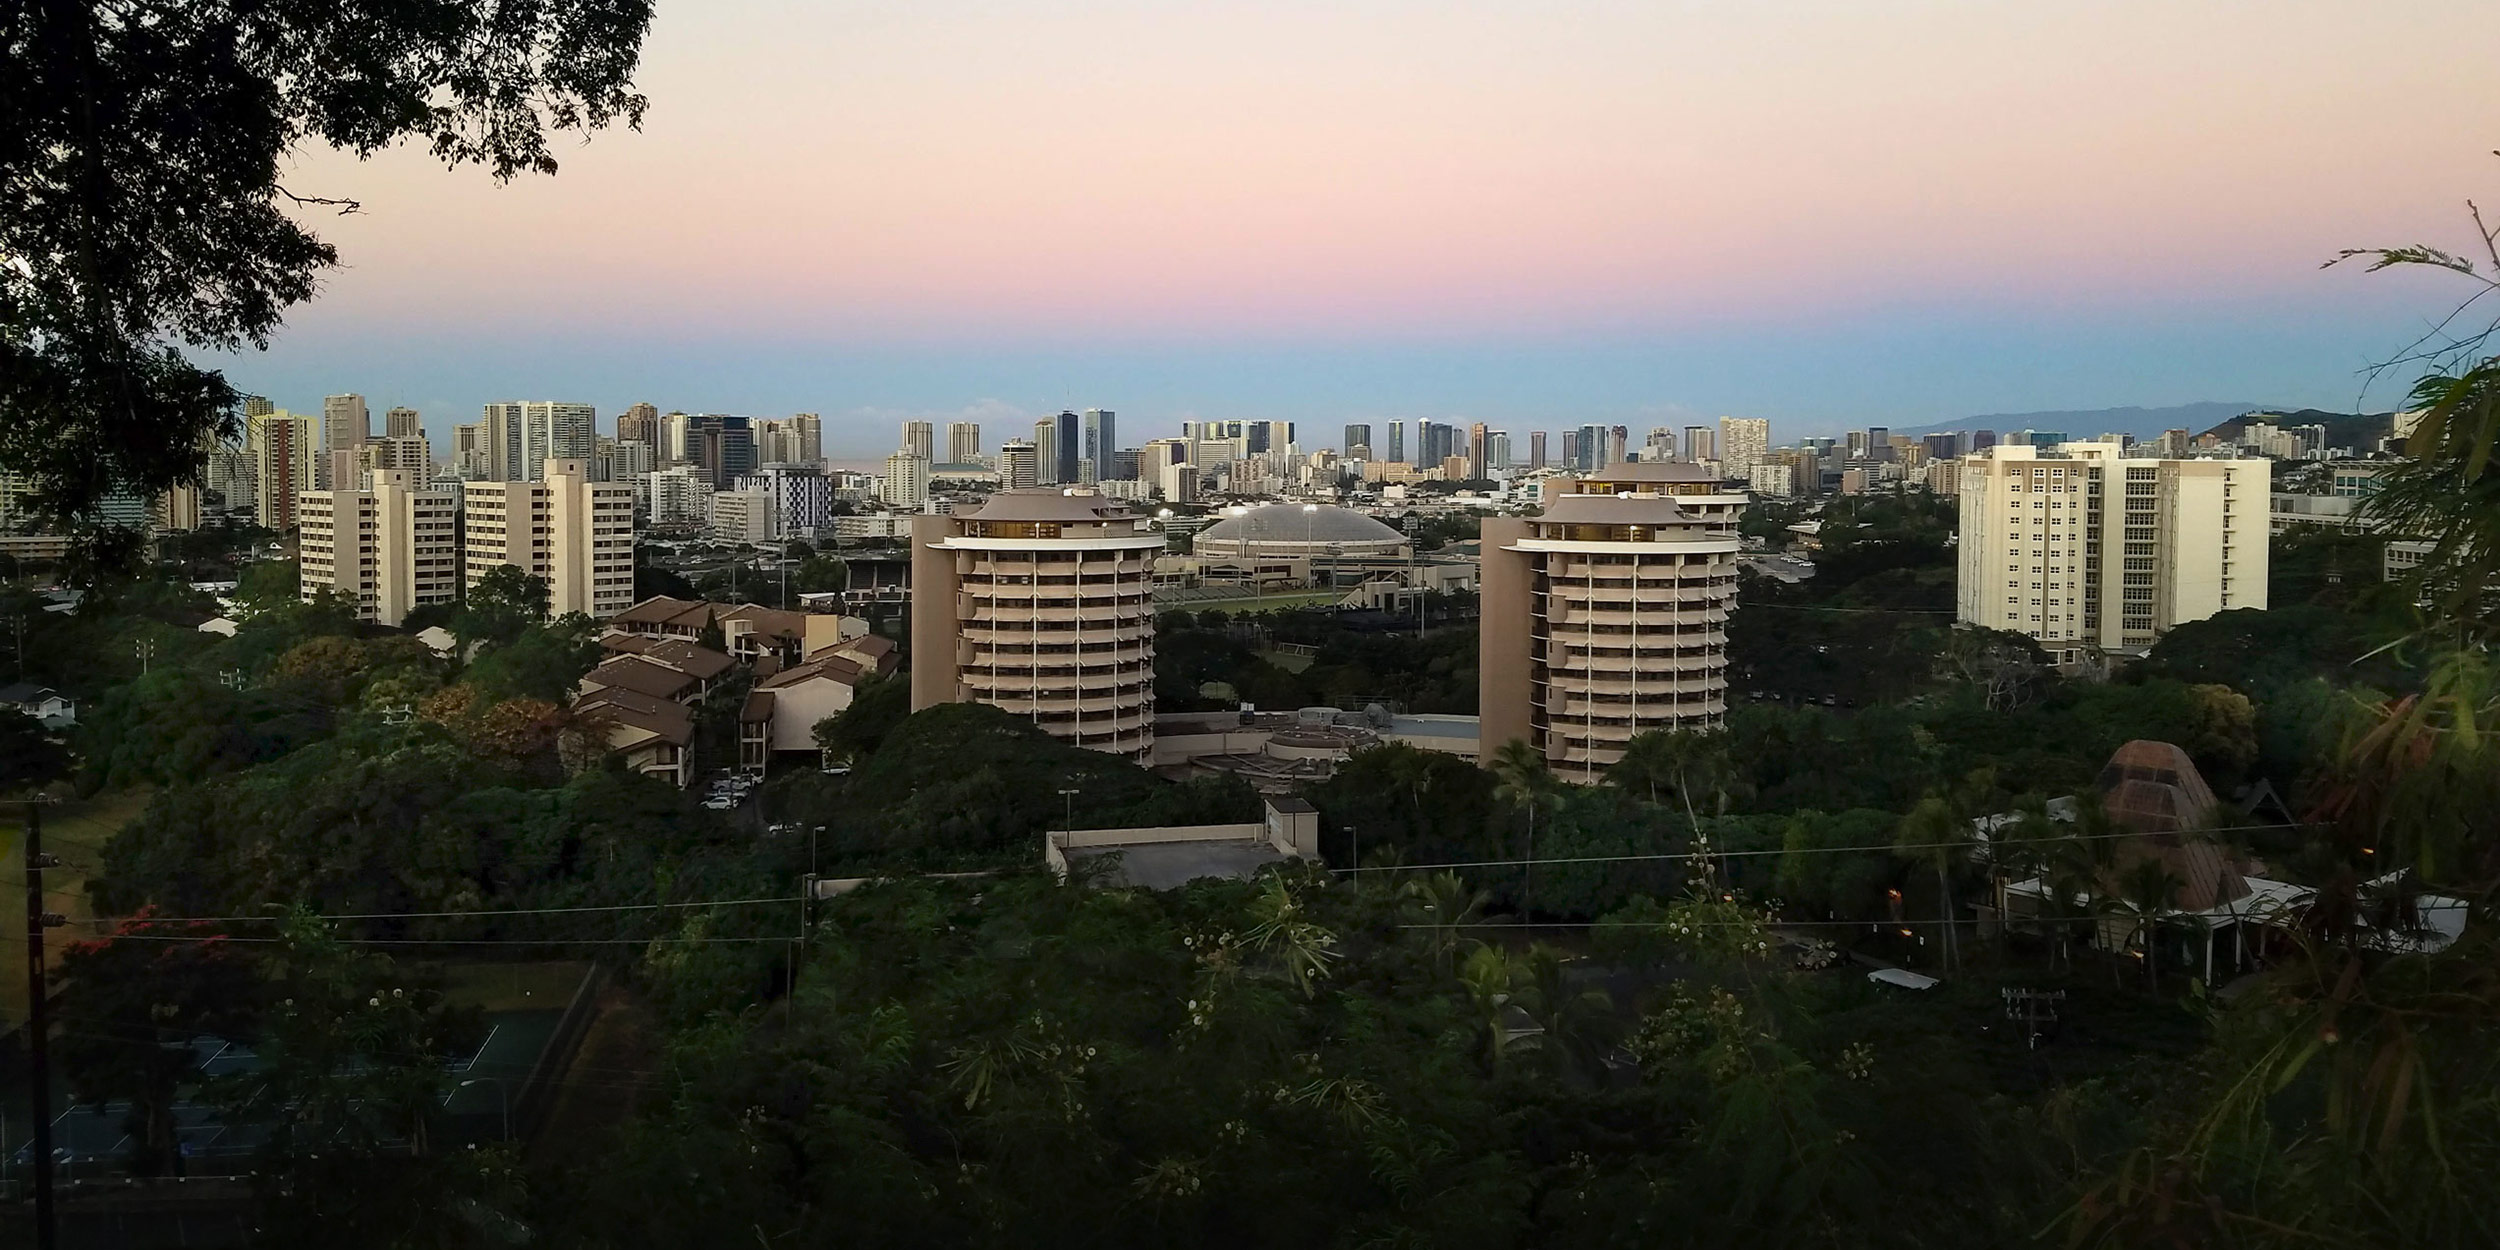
pixel 1297 524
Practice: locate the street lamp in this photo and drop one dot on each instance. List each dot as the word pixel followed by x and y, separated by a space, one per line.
pixel 1069 795
pixel 503 1093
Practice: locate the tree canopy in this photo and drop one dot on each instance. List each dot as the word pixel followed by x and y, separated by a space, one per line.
pixel 142 163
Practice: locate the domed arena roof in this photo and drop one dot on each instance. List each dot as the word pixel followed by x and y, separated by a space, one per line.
pixel 1296 525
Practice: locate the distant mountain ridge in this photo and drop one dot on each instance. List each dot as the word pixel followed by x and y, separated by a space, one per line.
pixel 2088 422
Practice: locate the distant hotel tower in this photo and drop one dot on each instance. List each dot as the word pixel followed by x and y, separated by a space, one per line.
pixel 1041 603
pixel 1606 617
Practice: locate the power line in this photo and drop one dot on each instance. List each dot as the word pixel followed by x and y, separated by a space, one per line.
pixel 1886 848
pixel 356 941
pixel 445 915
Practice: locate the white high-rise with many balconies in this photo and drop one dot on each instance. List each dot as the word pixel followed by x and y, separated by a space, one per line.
pixel 1605 617
pixel 1041 603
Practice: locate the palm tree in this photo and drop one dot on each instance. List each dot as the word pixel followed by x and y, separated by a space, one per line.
pixel 1686 762
pixel 2145 893
pixel 1573 1022
pixel 1526 780
pixel 2079 865
pixel 1447 906
pixel 1494 988
pixel 1936 835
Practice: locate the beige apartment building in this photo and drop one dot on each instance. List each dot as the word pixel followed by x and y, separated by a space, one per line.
pixel 1040 602
pixel 576 533
pixel 2085 550
pixel 1606 616
pixel 388 550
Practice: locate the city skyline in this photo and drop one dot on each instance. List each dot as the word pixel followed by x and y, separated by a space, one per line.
pixel 1598 214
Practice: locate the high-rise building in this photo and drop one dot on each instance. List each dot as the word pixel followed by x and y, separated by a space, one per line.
pixel 403 423
pixel 906 480
pixel 345 422
pixel 808 430
pixel 2079 548
pixel 1397 443
pixel 1605 617
pixel 963 442
pixel 1743 443
pixel 522 437
pixel 411 454
pixel 1019 468
pixel 676 438
pixel 1479 466
pixel 629 461
pixel 257 406
pixel 281 446
pixel 1497 453
pixel 388 549
pixel 723 446
pixel 1945 446
pixel 1046 449
pixel 1698 445
pixel 744 516
pixel 1435 443
pixel 677 495
pixel 559 431
pixel 1982 440
pixel 562 526
pixel 471 455
pixel 1570 449
pixel 1102 441
pixel 1358 442
pixel 1069 442
pixel 920 439
pixel 1878 443
pixel 1536 450
pixel 640 423
pixel 1040 603
pixel 802 497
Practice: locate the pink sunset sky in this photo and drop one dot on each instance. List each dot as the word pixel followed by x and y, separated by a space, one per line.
pixel 909 207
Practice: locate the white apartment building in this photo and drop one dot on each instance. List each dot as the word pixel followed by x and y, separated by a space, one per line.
pixel 1040 603
pixel 802 499
pixel 2079 548
pixel 576 533
pixel 388 549
pixel 906 477
pixel 1743 443
pixel 1605 617
pixel 963 442
pixel 680 495
pixel 874 525
pixel 744 516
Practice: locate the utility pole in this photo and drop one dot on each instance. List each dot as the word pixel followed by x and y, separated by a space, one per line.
pixel 145 649
pixel 38 1044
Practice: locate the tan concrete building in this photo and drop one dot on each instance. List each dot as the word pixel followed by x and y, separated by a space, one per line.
pixel 2081 549
pixel 1606 616
pixel 1041 603
pixel 576 533
pixel 388 550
